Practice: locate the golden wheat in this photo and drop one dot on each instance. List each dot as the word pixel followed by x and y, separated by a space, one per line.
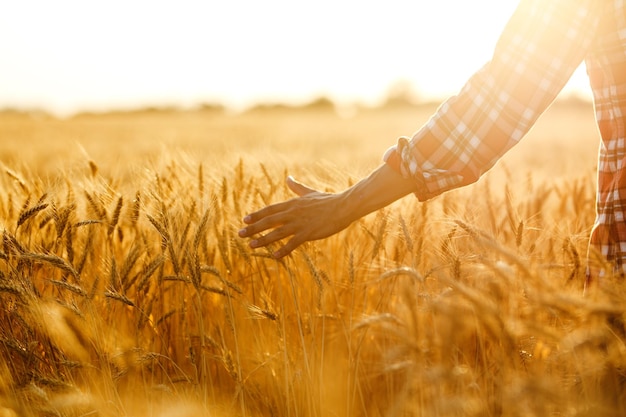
pixel 136 294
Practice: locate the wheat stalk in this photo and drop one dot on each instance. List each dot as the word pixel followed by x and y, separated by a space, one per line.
pixel 52 260
pixel 18 180
pixel 110 293
pixel 76 289
pixel 96 206
pixel 115 216
pixel 27 214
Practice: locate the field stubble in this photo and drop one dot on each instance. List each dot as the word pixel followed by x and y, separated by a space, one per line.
pixel 126 291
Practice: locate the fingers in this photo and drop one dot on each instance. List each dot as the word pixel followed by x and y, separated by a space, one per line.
pixel 289 247
pixel 270 210
pixel 266 212
pixel 298 187
pixel 281 232
pixel 260 221
pixel 273 236
pixel 283 218
pixel 280 222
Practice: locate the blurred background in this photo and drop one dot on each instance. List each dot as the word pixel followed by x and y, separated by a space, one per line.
pixel 68 56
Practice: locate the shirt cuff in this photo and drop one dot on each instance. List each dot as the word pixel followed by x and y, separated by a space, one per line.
pixel 393 157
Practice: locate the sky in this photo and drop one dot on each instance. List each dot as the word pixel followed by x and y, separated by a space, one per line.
pixel 65 56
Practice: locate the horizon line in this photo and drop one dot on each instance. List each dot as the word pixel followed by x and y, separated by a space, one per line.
pixel 319 102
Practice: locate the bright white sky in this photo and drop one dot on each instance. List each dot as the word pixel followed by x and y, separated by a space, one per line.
pixel 70 55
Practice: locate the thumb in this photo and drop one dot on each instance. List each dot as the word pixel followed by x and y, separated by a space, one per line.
pixel 298 187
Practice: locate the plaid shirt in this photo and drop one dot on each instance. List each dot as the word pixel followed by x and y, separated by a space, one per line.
pixel 539 49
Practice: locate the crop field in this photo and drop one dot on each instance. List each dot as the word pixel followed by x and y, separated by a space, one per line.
pixel 125 290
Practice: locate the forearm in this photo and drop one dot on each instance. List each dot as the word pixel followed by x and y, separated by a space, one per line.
pixel 381 188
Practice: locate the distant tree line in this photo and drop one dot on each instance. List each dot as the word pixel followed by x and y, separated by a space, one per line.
pixel 400 94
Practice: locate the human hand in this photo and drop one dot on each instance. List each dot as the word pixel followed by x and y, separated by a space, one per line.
pixel 310 216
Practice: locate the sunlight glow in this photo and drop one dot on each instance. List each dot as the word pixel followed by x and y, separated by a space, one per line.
pixel 69 55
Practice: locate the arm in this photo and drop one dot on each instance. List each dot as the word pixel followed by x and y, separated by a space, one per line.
pixel 315 215
pixel 540 47
pixel 538 50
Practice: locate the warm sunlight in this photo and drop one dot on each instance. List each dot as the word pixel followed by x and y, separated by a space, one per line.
pixel 69 54
pixel 290 208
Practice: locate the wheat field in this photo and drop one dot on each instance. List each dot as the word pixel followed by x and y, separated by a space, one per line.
pixel 126 291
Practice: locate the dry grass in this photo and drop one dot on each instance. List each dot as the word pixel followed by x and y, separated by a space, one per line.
pixel 126 291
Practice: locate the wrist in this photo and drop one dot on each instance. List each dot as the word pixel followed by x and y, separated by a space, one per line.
pixel 381 188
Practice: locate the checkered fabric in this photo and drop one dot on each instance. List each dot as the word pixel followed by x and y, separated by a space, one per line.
pixel 540 47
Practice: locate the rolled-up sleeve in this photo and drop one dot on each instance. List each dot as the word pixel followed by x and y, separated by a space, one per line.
pixel 536 54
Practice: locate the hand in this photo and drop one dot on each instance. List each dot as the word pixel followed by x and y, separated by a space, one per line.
pixel 311 216
pixel 316 215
